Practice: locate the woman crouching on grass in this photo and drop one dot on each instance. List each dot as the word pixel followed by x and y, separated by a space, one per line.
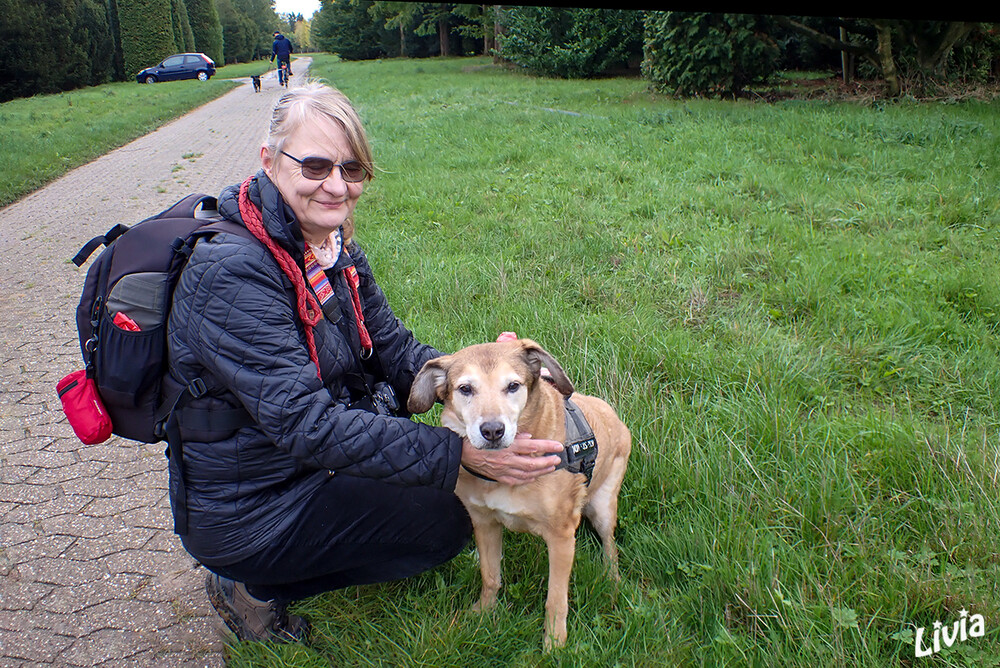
pixel 326 484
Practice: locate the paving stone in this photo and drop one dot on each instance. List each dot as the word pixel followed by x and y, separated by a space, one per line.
pixel 61 505
pixel 99 548
pixel 53 476
pixel 16 595
pixel 27 494
pixel 102 646
pixel 45 546
pixel 41 459
pixel 61 572
pixel 37 646
pixel 73 600
pixel 81 525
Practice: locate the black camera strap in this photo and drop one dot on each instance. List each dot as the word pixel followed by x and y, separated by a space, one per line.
pixel 369 370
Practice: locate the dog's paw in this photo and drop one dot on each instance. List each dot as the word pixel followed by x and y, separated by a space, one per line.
pixel 551 642
pixel 484 604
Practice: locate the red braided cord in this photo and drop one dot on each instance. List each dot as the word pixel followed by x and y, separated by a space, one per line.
pixel 308 308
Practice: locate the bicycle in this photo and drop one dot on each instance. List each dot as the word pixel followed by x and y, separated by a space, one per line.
pixel 283 76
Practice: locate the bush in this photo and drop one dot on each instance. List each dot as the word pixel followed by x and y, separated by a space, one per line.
pixel 570 43
pixel 707 54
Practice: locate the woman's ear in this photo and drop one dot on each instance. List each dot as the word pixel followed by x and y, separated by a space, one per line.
pixel 266 161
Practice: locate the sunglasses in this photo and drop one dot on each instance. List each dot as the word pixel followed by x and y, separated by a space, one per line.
pixel 317 169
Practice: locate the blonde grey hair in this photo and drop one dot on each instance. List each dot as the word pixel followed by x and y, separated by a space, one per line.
pixel 314 100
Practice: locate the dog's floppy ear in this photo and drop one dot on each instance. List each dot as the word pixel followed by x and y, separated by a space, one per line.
pixel 429 385
pixel 537 357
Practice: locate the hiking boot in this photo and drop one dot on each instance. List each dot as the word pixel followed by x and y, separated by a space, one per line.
pixel 252 618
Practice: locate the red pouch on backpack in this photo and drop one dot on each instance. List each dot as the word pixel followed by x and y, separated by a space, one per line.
pixel 83 408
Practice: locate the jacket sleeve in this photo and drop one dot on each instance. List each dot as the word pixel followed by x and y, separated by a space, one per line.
pixel 241 327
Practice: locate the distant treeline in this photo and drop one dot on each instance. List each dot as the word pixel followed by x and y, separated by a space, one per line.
pixel 55 45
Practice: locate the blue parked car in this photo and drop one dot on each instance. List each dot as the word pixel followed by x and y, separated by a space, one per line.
pixel 180 66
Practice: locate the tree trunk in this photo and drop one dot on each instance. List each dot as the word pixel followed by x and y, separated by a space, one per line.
pixel 488 31
pixel 934 58
pixel 497 31
pixel 846 60
pixel 886 61
pixel 402 41
pixel 443 36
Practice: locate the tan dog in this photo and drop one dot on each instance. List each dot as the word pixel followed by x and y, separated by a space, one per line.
pixel 493 391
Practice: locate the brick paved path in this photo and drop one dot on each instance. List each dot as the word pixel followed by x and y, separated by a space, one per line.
pixel 91 573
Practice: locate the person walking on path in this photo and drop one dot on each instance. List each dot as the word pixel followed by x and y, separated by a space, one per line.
pixel 328 483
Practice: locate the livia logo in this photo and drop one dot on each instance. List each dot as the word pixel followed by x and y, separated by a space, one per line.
pixel 966 627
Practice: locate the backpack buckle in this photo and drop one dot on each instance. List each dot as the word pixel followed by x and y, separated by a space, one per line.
pixel 197 388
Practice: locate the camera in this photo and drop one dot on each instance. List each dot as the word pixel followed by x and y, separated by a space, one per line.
pixel 384 399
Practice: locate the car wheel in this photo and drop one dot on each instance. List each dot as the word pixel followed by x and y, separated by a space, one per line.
pixel 150 79
pixel 202 76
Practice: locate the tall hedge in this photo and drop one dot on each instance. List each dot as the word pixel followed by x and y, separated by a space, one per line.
pixel 52 45
pixel 147 35
pixel 708 54
pixel 207 29
pixel 183 35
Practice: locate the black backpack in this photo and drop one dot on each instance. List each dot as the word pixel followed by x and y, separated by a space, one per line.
pixel 122 316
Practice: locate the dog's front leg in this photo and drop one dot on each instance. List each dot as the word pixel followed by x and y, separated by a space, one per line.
pixel 489 544
pixel 562 548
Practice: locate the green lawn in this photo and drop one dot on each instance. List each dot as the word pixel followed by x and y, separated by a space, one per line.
pixel 793 306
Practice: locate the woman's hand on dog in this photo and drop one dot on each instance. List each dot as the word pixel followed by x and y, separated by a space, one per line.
pixel 524 461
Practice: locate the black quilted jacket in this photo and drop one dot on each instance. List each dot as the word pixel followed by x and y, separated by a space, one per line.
pixel 234 324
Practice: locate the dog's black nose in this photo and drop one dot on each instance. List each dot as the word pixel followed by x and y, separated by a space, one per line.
pixel 492 431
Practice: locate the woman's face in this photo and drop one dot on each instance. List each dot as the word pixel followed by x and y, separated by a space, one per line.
pixel 320 206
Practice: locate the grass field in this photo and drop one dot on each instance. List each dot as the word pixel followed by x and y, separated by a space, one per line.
pixel 794 307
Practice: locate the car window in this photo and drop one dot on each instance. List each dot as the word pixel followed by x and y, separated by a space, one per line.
pixel 193 60
pixel 173 61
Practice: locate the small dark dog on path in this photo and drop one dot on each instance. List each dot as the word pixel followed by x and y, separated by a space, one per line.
pixel 256 82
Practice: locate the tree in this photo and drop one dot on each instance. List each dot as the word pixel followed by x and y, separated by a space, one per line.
pixel 207 28
pixel 397 15
pixel 261 13
pixel 238 31
pixel 303 34
pixel 477 22
pixel 708 54
pixel 349 29
pixel 570 43
pixel 923 48
pixel 437 19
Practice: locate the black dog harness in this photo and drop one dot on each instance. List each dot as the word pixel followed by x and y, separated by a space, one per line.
pixel 580 448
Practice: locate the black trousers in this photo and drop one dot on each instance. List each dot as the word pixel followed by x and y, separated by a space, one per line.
pixel 357 531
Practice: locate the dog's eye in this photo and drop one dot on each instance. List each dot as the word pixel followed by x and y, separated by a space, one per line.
pixel 513 387
pixel 465 390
